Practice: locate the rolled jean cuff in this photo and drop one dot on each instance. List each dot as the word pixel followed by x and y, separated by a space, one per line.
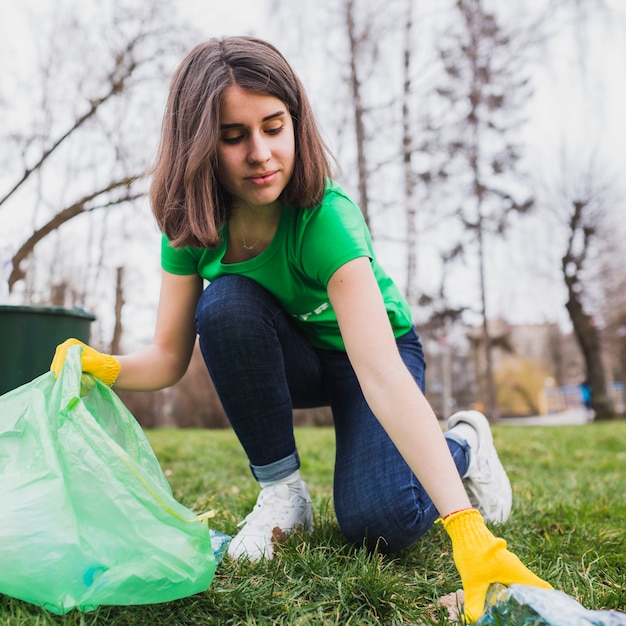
pixel 276 470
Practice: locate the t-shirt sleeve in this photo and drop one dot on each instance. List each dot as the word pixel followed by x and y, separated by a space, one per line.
pixel 177 261
pixel 335 233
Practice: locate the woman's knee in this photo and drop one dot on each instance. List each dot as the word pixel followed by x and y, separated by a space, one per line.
pixel 221 297
pixel 230 303
pixel 386 524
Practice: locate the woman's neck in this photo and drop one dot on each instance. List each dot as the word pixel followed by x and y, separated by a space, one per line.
pixel 250 231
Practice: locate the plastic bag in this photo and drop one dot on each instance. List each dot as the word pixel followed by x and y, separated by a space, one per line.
pixel 87 516
pixel 521 605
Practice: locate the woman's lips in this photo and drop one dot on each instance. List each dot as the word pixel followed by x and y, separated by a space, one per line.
pixel 262 179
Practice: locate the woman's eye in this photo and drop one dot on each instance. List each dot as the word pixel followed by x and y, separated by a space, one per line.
pixel 231 141
pixel 274 131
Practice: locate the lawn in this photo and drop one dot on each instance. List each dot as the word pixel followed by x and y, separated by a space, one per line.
pixel 569 485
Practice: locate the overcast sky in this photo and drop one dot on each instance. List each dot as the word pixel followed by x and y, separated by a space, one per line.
pixel 582 108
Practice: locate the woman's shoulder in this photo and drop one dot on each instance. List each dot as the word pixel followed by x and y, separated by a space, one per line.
pixel 336 219
pixel 335 193
pixel 335 203
pixel 185 260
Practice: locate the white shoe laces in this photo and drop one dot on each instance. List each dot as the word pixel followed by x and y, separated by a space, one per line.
pixel 270 509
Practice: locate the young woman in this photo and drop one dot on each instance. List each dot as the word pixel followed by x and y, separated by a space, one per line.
pixel 299 313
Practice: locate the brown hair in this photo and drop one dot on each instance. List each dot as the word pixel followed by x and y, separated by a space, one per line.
pixel 189 203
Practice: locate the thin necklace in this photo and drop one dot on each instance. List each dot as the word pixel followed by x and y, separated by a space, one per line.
pixel 251 246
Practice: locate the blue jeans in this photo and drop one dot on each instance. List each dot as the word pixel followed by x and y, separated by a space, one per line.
pixel 263 367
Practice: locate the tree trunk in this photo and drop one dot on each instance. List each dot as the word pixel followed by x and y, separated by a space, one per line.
pixel 119 305
pixel 588 339
pixel 586 333
pixel 491 406
pixel 409 180
pixel 357 102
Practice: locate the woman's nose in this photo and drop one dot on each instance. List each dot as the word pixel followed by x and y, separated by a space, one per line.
pixel 259 151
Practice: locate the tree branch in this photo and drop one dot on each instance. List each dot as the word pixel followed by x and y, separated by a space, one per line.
pixel 125 65
pixel 60 218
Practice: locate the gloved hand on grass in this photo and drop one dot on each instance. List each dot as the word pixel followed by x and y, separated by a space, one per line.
pixel 102 366
pixel 482 560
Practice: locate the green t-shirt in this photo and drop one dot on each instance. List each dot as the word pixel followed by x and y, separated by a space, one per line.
pixel 308 247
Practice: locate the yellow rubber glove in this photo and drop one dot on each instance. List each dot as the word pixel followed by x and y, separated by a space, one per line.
pixel 102 366
pixel 482 559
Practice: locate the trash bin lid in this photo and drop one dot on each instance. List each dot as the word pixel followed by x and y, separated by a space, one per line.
pixel 47 310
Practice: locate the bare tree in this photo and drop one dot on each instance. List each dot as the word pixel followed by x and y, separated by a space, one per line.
pixel 82 149
pixel 588 197
pixel 124 64
pixel 83 205
pixel 584 204
pixel 581 231
pixel 407 154
pixel 485 89
pixel 356 41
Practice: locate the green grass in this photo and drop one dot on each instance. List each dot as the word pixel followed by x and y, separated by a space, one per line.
pixel 568 525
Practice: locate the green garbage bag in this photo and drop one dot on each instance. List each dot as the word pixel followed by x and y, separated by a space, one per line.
pixel 87 517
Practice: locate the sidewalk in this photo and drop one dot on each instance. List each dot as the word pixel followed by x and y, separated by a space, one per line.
pixel 569 417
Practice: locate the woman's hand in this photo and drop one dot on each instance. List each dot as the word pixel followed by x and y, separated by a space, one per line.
pixel 482 560
pixel 162 362
pixel 102 366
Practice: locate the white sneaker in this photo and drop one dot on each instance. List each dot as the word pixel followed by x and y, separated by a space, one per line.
pixel 276 513
pixel 486 481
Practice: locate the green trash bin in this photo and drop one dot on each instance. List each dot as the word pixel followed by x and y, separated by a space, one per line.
pixel 29 336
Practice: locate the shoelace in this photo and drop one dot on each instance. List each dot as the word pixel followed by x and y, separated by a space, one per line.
pixel 260 514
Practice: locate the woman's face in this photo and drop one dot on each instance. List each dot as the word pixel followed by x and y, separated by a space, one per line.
pixel 256 149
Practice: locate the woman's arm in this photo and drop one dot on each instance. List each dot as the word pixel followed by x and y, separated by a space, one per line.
pixel 388 386
pixel 164 361
pixel 401 408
